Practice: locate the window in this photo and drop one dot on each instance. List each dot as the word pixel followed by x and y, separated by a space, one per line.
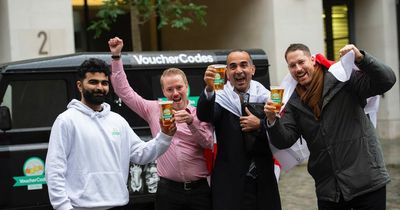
pixel 340 29
pixel 337 23
pixel 35 103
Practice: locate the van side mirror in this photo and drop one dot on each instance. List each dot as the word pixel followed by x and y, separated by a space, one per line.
pixel 5 118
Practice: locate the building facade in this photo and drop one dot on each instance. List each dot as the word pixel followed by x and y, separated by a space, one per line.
pixel 33 29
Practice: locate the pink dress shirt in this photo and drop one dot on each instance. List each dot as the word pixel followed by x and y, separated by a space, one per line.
pixel 184 159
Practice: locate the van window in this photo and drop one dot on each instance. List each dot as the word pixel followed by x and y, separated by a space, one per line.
pixel 35 103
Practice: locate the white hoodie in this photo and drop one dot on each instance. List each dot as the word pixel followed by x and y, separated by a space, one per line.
pixel 87 162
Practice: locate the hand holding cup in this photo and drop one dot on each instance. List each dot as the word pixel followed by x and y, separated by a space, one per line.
pixel 214 77
pixel 170 129
pixel 277 97
pixel 183 116
pixel 269 110
pixel 219 78
pixel 167 120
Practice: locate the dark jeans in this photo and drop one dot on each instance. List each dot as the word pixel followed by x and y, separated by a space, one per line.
pixel 375 200
pixel 175 196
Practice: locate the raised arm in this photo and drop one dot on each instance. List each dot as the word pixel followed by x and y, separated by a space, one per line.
pixel 205 105
pixel 374 77
pixel 121 85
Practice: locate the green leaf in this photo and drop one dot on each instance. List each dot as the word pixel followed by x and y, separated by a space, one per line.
pixel 176 13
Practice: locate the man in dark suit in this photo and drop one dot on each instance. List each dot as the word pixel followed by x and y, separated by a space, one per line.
pixel 243 177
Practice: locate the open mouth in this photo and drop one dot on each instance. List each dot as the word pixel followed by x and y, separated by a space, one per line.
pixel 178 103
pixel 240 79
pixel 300 76
pixel 177 100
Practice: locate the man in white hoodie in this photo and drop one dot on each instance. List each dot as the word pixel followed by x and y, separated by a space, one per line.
pixel 90 147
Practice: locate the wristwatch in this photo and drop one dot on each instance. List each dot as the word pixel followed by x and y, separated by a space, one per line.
pixel 116 57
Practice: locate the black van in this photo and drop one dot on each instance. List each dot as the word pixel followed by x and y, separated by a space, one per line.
pixel 33 92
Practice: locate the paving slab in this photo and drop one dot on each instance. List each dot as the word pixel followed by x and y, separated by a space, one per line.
pixel 297 188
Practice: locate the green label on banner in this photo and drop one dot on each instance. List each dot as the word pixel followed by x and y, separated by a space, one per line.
pixel 33 170
pixel 28 180
pixel 193 100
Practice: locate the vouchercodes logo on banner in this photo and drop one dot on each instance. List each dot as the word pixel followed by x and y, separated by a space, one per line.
pixel 192 99
pixel 34 174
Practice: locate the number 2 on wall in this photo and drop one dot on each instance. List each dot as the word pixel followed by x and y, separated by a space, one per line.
pixel 41 51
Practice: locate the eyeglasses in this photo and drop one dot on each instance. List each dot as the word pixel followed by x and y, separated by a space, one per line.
pixel 243 65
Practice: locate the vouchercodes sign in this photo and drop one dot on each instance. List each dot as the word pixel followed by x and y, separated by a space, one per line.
pixel 33 178
pixel 173 58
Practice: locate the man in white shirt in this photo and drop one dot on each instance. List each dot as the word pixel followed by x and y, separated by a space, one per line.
pixel 90 147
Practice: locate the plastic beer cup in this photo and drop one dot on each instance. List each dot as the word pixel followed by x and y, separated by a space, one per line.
pixel 219 79
pixel 276 97
pixel 166 113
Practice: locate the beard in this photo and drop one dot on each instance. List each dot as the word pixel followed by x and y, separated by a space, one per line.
pixel 94 97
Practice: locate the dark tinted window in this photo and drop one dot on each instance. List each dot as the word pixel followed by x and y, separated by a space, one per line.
pixel 36 103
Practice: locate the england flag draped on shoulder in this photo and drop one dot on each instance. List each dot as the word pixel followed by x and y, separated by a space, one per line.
pixel 342 70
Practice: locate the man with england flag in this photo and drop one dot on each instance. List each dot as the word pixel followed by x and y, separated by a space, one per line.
pixel 326 108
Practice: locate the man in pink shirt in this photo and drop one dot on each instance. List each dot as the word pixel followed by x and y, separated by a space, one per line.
pixel 182 169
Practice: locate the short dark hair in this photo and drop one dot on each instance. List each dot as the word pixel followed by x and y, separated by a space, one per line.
pixel 241 50
pixel 93 65
pixel 297 46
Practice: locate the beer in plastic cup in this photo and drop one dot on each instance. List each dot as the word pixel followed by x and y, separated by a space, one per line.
pixel 166 113
pixel 219 79
pixel 276 97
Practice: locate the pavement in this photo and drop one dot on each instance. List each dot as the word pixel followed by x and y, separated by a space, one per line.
pixel 297 186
